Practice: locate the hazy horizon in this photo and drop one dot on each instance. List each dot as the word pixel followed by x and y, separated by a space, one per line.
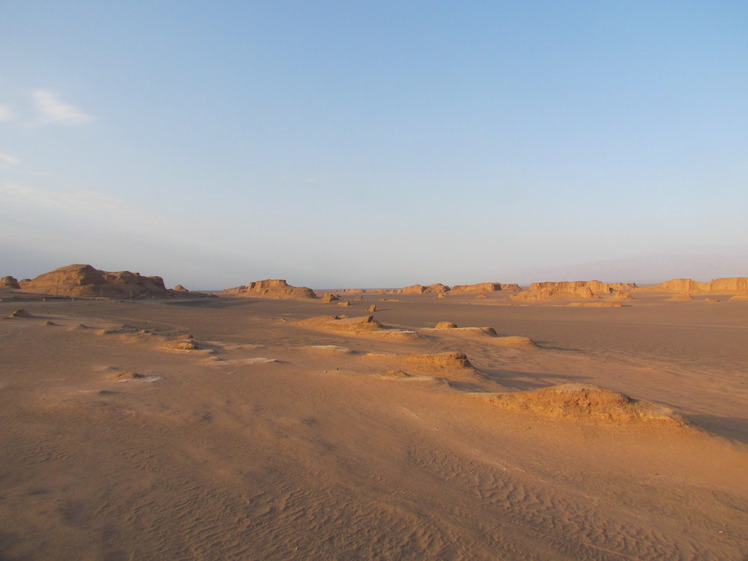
pixel 339 145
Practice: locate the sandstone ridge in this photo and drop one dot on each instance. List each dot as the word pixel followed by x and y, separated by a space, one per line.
pixel 573 289
pixel 585 401
pixel 270 288
pixel 84 281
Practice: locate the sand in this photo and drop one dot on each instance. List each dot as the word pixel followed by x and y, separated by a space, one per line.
pixel 230 428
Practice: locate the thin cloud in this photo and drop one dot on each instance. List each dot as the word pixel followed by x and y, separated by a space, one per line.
pixel 6 114
pixel 8 159
pixel 54 110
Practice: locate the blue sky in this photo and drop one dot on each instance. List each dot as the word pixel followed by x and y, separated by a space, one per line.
pixel 368 143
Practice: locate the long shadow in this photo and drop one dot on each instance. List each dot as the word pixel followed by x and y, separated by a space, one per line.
pixel 213 302
pixel 733 428
pixel 519 380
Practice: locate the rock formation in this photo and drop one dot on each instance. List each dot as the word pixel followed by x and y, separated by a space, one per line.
pixel 476 288
pixel 9 282
pixel 584 401
pixel 730 285
pixel 271 288
pixel 179 288
pixel 83 281
pixel 682 285
pixel 437 288
pixel 574 289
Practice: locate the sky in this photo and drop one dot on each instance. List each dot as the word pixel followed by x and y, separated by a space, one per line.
pixel 368 144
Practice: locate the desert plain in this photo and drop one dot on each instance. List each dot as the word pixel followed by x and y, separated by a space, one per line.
pixel 374 425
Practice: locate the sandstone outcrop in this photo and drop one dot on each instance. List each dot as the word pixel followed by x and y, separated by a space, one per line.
pixel 179 288
pixel 682 285
pixel 84 281
pixel 437 288
pixel 270 288
pixel 476 288
pixel 9 282
pixel 573 289
pixel 329 297
pixel 732 285
pixel 729 285
pixel 584 401
pixel 413 289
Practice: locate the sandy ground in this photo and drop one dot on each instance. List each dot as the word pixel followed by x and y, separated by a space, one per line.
pixel 222 429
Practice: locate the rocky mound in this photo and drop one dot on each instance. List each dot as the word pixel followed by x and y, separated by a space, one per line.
pixel 180 288
pixel 733 285
pixel 9 282
pixel 362 324
pixel 83 281
pixel 573 289
pixel 437 288
pixel 682 285
pixel 622 295
pixel 476 288
pixel 413 289
pixel 270 288
pixel 583 401
pixel 438 360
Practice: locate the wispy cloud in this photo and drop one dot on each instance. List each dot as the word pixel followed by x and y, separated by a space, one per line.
pixel 8 159
pixel 55 111
pixel 6 114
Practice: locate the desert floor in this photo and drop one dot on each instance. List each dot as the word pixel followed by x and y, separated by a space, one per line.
pixel 258 438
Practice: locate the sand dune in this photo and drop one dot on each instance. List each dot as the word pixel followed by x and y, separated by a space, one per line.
pixel 230 428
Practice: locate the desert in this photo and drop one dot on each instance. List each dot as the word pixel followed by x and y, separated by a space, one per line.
pixel 175 424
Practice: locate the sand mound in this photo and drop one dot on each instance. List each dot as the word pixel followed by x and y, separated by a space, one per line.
pixel 741 296
pixel 83 281
pixel 445 325
pixel 178 345
pixel 20 313
pixel 681 297
pixel 711 300
pixel 583 401
pixel 514 341
pixel 270 288
pixel 9 282
pixel 622 295
pixel 179 288
pixel 362 324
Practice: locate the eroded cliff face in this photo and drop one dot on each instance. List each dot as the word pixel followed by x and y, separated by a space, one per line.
pixel 270 288
pixel 575 289
pixel 85 281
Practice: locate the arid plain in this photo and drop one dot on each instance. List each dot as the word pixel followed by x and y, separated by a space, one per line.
pixel 481 423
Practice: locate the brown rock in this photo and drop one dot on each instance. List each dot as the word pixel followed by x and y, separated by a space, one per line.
pixel 270 288
pixel 476 288
pixel 83 281
pixel 583 401
pixel 9 282
pixel 574 289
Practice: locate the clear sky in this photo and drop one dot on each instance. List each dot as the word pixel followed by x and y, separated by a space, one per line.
pixel 340 143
